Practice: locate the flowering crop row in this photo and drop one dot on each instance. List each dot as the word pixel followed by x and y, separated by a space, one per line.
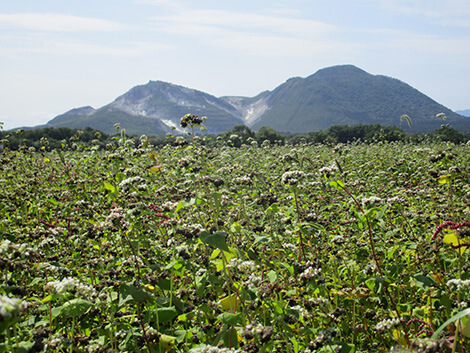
pixel 307 248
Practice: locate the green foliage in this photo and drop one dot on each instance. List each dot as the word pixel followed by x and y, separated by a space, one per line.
pixel 49 138
pixel 347 95
pixel 282 249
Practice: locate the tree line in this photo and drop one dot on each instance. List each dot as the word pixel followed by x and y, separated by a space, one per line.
pixel 50 138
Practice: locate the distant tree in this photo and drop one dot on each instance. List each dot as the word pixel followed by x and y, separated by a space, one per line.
pixel 268 133
pixel 447 133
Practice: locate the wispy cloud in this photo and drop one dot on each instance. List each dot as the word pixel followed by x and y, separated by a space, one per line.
pixel 251 33
pixel 210 21
pixel 38 44
pixel 55 22
pixel 454 13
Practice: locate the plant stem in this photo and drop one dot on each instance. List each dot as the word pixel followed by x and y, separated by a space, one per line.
pixel 301 244
pixel 374 255
pixel 144 332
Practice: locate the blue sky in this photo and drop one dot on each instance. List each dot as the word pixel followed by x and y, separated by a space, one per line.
pixel 56 55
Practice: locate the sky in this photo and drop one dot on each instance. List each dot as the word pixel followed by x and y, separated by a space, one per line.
pixel 56 55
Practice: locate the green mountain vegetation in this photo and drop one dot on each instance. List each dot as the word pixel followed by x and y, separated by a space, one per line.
pixel 347 95
pixel 338 95
pixel 104 119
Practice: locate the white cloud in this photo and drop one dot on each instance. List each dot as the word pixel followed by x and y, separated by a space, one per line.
pixel 210 21
pixel 55 22
pixel 445 12
pixel 254 34
pixel 39 43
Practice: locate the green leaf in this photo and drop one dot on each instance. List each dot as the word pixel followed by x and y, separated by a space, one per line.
pixel 120 177
pixel 164 284
pixel 236 227
pixel 272 276
pixel 229 302
pixel 272 210
pixel 216 240
pixel 452 238
pixel 230 319
pixel 446 179
pixel 466 328
pixel 166 341
pixel 179 207
pixel 75 307
pixel 423 282
pixel 109 187
pixel 345 347
pixel 56 311
pixel 166 314
pixel 457 316
pixel 337 184
pixel 137 294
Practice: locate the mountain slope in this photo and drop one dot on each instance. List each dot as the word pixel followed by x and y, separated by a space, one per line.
pixel 347 95
pixel 335 95
pixel 154 108
pixel 104 119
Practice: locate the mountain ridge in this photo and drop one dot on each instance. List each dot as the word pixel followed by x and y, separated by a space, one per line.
pixel 336 95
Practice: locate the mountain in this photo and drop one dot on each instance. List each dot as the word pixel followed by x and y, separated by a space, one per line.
pixel 336 95
pixel 104 119
pixel 153 109
pixel 344 95
pixel 465 112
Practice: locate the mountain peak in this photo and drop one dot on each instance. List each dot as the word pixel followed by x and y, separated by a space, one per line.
pixel 340 71
pixel 336 95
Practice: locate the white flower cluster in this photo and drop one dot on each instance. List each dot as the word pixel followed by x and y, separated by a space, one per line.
pixel 10 308
pixel 68 285
pixel 244 180
pixel 117 219
pixel 52 269
pixel 370 269
pixel 132 261
pixel 339 239
pixel 48 242
pixel 427 346
pixel 328 170
pixel 317 302
pixel 458 284
pixel 292 177
pixel 205 348
pixel 387 324
pixel 289 246
pixel 255 329
pixel 224 170
pixel 137 180
pixel 169 206
pixel 248 266
pixel 371 200
pixel 302 312
pixel 254 281
pixel 310 273
pixel 396 199
pixel 7 247
pixel 57 230
pixel 201 271
pixel 322 337
pixel 57 341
